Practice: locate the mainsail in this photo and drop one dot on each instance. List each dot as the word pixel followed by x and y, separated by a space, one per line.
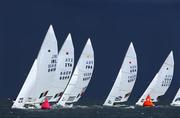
pixel 46 66
pixel 176 100
pixel 161 81
pixel 64 67
pixel 27 88
pixel 80 78
pixel 125 80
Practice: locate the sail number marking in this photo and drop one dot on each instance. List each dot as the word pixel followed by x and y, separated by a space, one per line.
pixel 52 65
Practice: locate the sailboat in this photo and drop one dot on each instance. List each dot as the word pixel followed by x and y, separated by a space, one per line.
pixel 161 81
pixel 80 78
pixel 64 67
pixel 125 80
pixel 37 84
pixel 46 63
pixel 176 100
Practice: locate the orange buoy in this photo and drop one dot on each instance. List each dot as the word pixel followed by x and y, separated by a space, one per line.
pixel 45 104
pixel 148 102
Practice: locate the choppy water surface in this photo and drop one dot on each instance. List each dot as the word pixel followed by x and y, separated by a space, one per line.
pixel 92 111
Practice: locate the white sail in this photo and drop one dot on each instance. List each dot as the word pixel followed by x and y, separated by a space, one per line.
pixel 25 93
pixel 161 81
pixel 125 80
pixel 80 78
pixel 65 63
pixel 46 65
pixel 176 100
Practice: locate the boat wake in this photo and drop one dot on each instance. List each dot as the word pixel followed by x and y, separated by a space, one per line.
pixel 130 107
pixel 103 107
pixel 80 106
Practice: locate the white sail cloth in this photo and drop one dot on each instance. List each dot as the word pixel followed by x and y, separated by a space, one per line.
pixel 80 78
pixel 161 81
pixel 125 80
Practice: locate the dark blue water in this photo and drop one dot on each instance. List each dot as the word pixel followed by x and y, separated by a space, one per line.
pixel 92 111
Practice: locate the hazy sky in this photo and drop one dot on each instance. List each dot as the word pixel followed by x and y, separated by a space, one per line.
pixel 153 26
